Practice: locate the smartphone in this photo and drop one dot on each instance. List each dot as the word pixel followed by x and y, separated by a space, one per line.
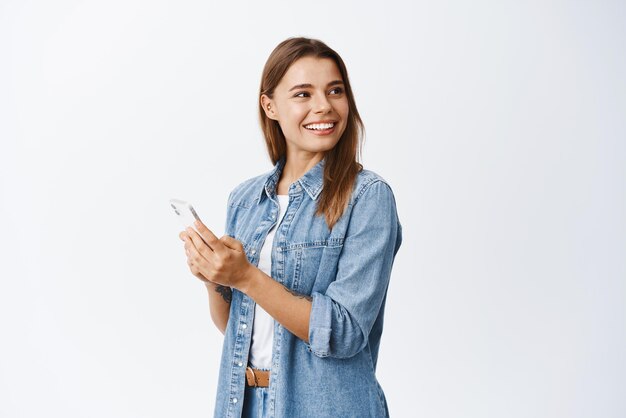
pixel 185 213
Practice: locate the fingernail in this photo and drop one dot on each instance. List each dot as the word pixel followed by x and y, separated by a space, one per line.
pixel 197 223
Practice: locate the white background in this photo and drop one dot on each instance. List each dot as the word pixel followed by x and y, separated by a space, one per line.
pixel 501 127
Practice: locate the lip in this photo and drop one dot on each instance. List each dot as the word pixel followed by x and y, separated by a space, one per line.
pixel 321 121
pixel 322 132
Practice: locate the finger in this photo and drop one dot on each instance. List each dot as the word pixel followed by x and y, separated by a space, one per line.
pixel 196 272
pixel 191 233
pixel 232 243
pixel 196 261
pixel 209 237
pixel 194 267
pixel 192 252
pixel 198 245
pixel 188 243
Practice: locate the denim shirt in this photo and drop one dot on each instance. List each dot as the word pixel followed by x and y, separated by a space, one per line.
pixel 346 271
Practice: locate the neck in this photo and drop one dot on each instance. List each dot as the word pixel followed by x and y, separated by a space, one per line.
pixel 297 165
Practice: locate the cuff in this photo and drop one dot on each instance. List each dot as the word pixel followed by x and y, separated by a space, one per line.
pixel 320 325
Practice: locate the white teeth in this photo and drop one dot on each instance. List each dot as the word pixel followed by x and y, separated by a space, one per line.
pixel 320 126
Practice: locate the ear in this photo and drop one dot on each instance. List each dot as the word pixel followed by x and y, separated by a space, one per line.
pixel 269 107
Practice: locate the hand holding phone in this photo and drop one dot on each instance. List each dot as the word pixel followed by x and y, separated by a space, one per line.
pixel 229 266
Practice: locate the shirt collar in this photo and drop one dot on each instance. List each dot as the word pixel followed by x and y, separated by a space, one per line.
pixel 312 181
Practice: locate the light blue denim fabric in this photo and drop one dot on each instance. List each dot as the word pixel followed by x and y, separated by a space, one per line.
pixel 256 403
pixel 346 271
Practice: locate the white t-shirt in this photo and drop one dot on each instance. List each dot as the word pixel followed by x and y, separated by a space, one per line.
pixel 263 327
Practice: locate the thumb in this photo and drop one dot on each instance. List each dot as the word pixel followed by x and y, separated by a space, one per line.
pixel 232 243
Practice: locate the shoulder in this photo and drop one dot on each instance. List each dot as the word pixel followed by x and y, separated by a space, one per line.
pixel 371 185
pixel 248 191
pixel 373 204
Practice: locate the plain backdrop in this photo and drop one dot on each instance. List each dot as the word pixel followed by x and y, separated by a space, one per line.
pixel 499 125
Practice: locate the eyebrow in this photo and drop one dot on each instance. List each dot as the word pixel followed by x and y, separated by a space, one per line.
pixel 308 86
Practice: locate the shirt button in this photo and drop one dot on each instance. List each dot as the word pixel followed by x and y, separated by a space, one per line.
pixel 244 326
pixel 253 252
pixel 234 400
pixel 240 364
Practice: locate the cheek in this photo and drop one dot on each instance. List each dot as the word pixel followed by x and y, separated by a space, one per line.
pixel 294 117
pixel 344 108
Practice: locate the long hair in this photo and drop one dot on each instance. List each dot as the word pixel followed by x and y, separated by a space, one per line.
pixel 342 162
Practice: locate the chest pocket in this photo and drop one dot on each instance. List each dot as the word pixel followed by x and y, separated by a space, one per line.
pixel 312 266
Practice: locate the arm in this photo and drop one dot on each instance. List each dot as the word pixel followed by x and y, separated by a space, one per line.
pixel 211 264
pixel 338 322
pixel 292 310
pixel 219 304
pixel 287 307
pixel 219 296
pixel 343 316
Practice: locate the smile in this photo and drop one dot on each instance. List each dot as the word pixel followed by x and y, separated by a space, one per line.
pixel 320 126
pixel 321 129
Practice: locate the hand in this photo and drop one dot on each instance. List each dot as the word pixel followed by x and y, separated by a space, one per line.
pixel 184 236
pixel 220 261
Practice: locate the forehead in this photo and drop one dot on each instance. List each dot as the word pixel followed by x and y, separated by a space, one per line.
pixel 311 70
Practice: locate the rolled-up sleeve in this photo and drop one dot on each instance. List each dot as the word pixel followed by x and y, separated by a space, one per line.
pixel 343 316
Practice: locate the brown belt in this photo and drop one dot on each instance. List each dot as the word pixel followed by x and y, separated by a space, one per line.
pixel 257 378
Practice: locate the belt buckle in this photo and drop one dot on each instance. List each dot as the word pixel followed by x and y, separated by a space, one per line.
pixel 251 377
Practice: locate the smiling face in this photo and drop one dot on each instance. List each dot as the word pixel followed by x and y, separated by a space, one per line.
pixel 311 107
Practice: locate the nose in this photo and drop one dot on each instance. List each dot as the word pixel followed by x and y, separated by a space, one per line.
pixel 321 104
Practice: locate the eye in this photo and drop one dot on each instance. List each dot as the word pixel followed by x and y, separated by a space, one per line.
pixel 302 92
pixel 339 90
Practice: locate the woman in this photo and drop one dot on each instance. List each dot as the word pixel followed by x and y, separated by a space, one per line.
pixel 298 284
